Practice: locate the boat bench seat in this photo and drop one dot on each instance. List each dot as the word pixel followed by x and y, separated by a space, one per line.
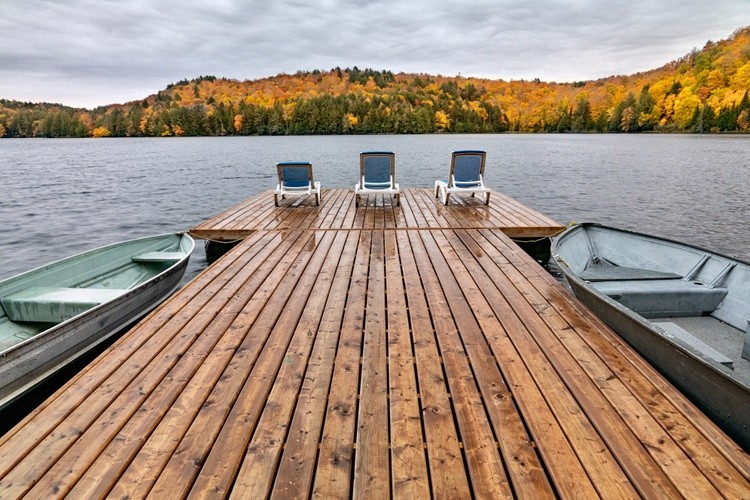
pixel 54 305
pixel 155 257
pixel 676 331
pixel 663 298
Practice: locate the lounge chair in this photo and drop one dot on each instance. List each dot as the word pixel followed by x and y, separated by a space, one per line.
pixel 377 174
pixel 295 179
pixel 466 176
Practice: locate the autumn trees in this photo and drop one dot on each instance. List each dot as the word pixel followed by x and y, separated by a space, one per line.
pixel 705 91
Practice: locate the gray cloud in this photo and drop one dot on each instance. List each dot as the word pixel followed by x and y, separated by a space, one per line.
pixel 93 52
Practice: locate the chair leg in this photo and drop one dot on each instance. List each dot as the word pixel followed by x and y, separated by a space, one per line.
pixel 437 190
pixel 356 200
pixel 398 199
pixel 317 199
pixel 487 199
pixel 276 200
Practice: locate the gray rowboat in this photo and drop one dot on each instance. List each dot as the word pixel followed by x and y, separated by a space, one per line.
pixel 51 315
pixel 683 308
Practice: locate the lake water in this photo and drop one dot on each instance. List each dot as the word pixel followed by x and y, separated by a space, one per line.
pixel 60 197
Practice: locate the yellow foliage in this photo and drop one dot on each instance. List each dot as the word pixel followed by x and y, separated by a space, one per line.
pixel 741 79
pixel 479 110
pixel 684 107
pixel 101 132
pixel 715 79
pixel 237 123
pixel 351 120
pixel 442 121
pixel 289 109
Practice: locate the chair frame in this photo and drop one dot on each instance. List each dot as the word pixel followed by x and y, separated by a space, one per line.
pixel 391 187
pixel 282 191
pixel 443 189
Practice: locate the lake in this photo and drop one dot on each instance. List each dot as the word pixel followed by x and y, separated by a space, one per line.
pixel 62 196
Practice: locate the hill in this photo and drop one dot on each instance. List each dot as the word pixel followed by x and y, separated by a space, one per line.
pixel 704 91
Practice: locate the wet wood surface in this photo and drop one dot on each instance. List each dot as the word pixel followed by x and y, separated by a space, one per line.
pixel 371 353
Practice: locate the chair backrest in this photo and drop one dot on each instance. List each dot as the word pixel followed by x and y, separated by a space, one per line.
pixel 293 174
pixel 467 168
pixel 377 169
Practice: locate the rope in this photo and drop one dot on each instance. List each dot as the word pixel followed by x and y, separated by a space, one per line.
pixel 213 241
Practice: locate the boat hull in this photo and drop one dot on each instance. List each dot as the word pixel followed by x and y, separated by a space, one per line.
pixel 32 361
pixel 709 385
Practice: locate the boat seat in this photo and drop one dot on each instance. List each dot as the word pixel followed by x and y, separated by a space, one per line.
pixel 155 257
pixel 608 272
pixel 663 298
pixel 54 305
pixel 684 336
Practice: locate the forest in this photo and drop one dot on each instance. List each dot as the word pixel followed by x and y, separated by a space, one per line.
pixel 705 91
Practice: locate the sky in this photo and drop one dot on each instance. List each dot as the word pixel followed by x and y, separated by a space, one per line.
pixel 87 53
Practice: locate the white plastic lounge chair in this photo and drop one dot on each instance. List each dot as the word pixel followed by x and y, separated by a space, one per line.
pixel 377 174
pixel 466 176
pixel 295 179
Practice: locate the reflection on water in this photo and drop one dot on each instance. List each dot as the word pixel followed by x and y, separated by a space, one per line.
pixel 59 197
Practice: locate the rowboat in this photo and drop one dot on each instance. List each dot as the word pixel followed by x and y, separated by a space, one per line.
pixel 686 310
pixel 51 315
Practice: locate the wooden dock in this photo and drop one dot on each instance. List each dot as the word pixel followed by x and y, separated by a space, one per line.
pixel 411 352
pixel 418 211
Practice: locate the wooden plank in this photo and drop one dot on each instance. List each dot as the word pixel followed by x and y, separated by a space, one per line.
pixel 441 435
pixel 416 217
pixel 217 438
pixel 257 472
pixel 524 466
pixel 336 199
pixel 600 464
pixel 336 455
pixel 596 468
pixel 371 459
pixel 485 465
pixel 685 435
pixel 409 477
pixel 297 465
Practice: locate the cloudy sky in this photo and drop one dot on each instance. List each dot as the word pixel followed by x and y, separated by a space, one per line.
pixel 96 52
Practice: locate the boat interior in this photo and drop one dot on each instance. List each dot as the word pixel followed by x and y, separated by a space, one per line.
pixel 43 299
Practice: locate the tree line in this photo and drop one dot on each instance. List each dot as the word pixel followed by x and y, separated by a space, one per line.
pixel 705 91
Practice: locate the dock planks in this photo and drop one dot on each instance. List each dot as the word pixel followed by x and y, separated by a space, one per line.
pixel 419 210
pixel 410 352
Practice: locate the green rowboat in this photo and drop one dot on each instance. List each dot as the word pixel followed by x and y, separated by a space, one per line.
pixel 51 315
